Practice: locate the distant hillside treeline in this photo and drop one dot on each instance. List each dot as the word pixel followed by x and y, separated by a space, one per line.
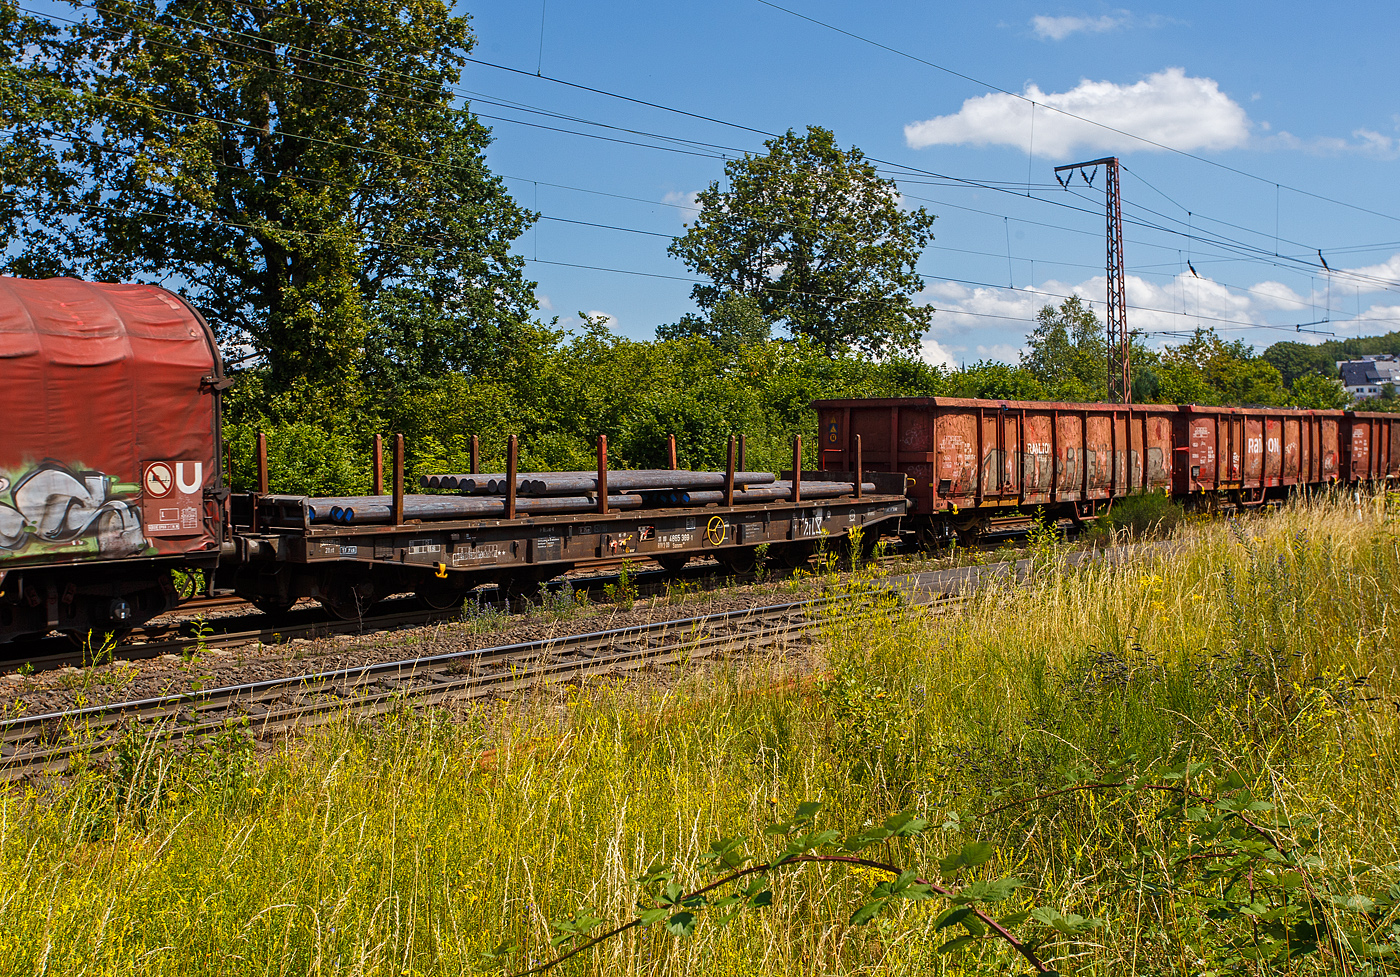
pixel 1292 360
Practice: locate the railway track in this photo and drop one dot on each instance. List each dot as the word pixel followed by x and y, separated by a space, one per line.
pixel 32 745
pixel 174 633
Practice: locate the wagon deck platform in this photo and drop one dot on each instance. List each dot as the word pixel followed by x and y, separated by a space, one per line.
pixel 282 555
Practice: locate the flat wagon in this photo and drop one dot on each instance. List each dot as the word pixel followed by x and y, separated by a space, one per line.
pixel 283 553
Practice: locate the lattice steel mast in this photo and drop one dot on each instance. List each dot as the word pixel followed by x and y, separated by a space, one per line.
pixel 1120 374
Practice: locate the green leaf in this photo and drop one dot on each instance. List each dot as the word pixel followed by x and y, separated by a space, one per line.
pixel 802 844
pixel 955 943
pixel 804 814
pixel 951 917
pixel 681 924
pixel 572 926
pixel 655 874
pixel 653 915
pixel 905 824
pixel 970 856
pixel 902 825
pixel 988 890
pixel 867 912
pixel 726 853
pixel 918 892
pixel 493 958
pixel 1068 924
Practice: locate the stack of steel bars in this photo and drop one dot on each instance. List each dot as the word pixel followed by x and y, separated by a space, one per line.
pixel 482 496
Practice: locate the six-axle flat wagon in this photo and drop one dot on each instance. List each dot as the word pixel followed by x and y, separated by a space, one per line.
pixel 282 554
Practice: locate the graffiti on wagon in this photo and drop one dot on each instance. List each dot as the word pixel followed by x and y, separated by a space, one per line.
pixel 51 506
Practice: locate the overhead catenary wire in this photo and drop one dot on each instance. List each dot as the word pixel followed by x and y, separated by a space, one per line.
pixel 955 181
pixel 1226 322
pixel 614 227
pixel 1078 118
pixel 983 184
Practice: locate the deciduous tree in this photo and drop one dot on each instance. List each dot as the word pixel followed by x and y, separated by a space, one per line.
pixel 302 171
pixel 734 322
pixel 813 234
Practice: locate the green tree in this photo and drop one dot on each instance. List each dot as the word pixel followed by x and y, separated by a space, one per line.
pixel 996 381
pixel 1207 370
pixel 300 170
pixel 1066 352
pixel 818 240
pixel 1315 391
pixel 1294 360
pixel 30 163
pixel 735 321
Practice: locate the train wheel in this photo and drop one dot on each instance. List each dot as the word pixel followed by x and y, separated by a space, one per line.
pixel 789 556
pixel 970 534
pixel 522 588
pixel 929 536
pixel 440 599
pixel 672 564
pixel 97 646
pixel 273 605
pixel 349 602
pixel 740 559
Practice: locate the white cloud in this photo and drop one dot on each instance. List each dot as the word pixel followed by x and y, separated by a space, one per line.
pixel 687 204
pixel 1276 295
pixel 1059 28
pixel 1389 270
pixel 1373 142
pixel 1168 107
pixel 933 352
pixel 1366 142
pixel 975 323
pixel 608 318
pixel 1384 315
pixel 1001 352
pixel 544 302
pixel 985 322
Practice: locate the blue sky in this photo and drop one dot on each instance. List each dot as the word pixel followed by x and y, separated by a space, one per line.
pixel 1300 99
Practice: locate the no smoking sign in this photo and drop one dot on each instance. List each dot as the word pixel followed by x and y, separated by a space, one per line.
pixel 159 481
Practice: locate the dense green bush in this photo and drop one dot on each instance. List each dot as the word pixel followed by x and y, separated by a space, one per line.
pixel 1144 514
pixel 557 393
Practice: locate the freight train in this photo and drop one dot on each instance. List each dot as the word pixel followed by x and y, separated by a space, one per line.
pixel 111 483
pixel 111 486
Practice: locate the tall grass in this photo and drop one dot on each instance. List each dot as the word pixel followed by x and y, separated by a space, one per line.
pixel 414 844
